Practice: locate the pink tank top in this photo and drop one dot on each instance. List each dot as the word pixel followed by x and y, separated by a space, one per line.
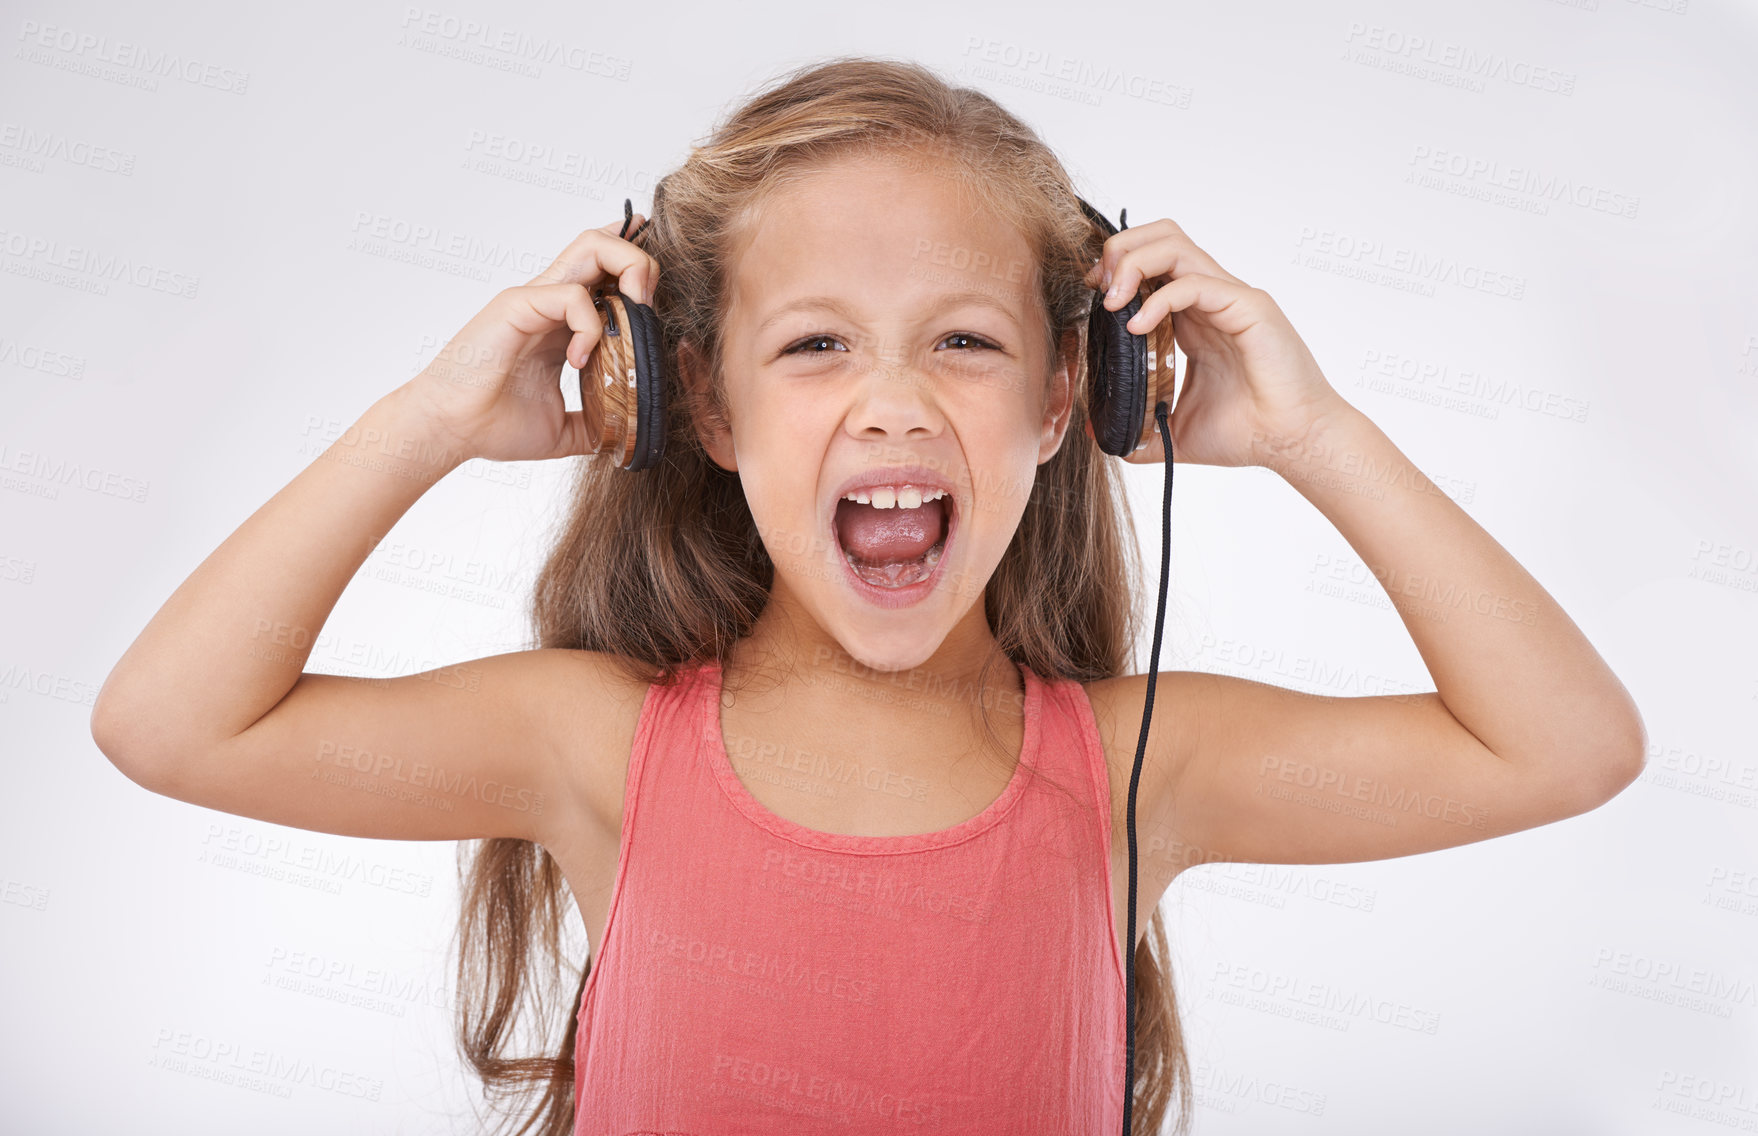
pixel 757 976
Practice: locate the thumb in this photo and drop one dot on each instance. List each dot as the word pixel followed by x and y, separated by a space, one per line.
pixel 574 440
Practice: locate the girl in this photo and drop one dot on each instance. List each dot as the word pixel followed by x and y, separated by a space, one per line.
pixel 827 729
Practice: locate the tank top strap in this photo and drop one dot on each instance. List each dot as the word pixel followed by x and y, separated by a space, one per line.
pixel 667 710
pixel 1072 745
pixel 1069 745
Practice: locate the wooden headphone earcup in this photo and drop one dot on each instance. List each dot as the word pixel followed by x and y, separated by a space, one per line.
pixel 626 372
pixel 1161 378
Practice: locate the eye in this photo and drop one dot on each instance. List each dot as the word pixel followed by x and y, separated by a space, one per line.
pixel 976 342
pixel 800 347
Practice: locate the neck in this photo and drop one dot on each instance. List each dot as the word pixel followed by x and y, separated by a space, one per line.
pixel 787 648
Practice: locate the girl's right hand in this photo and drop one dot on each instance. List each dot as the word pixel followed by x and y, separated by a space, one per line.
pixel 494 390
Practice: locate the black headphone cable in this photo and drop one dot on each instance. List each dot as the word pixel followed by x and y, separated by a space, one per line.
pixel 1135 773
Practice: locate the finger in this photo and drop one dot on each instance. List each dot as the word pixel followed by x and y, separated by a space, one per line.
pixel 639 282
pixel 1162 260
pixel 1153 453
pixel 1199 258
pixel 1159 248
pixel 537 309
pixel 1177 412
pixel 1230 306
pixel 599 252
pixel 575 436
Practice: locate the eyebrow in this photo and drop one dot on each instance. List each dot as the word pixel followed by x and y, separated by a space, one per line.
pixel 832 304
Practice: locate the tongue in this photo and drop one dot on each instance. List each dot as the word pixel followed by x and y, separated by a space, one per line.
pixel 890 536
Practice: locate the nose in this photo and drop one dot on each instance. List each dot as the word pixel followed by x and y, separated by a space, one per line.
pixel 894 400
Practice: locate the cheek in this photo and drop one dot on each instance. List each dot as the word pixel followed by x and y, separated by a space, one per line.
pixel 780 458
pixel 1003 473
pixel 779 495
pixel 785 525
pixel 1001 446
pixel 991 527
pixel 773 417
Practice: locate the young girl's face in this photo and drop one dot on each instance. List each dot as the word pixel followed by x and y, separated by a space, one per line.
pixel 879 319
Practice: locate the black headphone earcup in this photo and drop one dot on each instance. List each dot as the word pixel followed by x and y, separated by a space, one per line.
pixel 1117 377
pixel 644 338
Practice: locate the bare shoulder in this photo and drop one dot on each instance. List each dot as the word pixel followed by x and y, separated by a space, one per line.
pixel 594 703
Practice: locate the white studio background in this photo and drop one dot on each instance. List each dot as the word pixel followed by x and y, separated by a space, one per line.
pixel 1519 235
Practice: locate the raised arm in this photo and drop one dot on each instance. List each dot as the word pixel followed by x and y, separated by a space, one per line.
pixel 211 705
pixel 1527 724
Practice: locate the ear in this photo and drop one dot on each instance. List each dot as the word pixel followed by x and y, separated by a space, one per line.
pixel 1059 397
pixel 712 429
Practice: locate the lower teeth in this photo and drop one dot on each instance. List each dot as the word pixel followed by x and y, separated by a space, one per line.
pixel 898 575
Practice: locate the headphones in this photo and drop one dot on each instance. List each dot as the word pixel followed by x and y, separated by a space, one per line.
pixel 1126 373
pixel 1130 380
pixel 628 369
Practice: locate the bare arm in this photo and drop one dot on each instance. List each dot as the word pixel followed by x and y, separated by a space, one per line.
pixel 232 640
pixel 1509 664
pixel 1527 725
pixel 210 703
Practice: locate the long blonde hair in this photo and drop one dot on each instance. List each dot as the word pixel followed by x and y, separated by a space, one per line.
pixel 663 568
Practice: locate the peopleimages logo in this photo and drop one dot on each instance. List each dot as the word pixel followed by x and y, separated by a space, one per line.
pixel 88 270
pixel 119 60
pixel 506 48
pixel 52 473
pixel 1396 50
pixel 422 775
pixel 1353 254
pixel 28 147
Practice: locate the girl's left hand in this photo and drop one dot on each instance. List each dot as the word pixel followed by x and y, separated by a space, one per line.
pixel 1251 387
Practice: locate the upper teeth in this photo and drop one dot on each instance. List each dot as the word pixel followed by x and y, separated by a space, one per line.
pixel 885 496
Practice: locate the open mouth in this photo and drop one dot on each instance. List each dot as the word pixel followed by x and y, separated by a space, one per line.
pixel 893 540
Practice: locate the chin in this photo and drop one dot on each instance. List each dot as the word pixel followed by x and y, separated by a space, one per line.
pixel 904 649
